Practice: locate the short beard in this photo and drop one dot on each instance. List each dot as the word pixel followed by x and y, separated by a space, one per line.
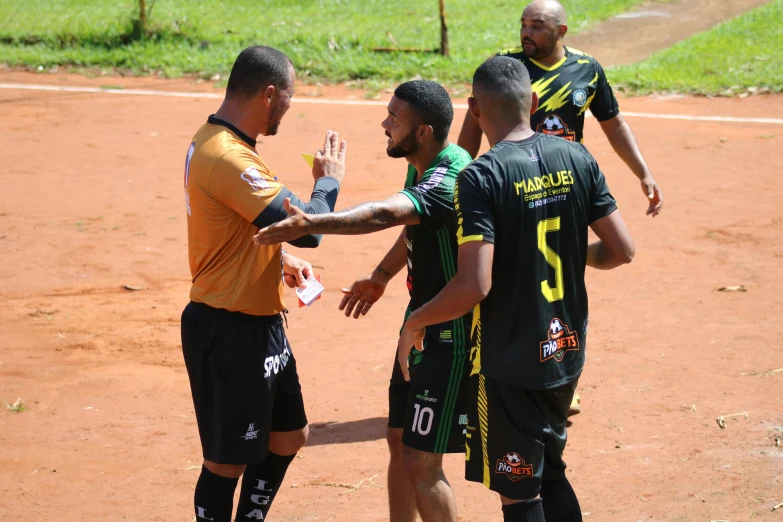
pixel 274 121
pixel 407 146
pixel 538 52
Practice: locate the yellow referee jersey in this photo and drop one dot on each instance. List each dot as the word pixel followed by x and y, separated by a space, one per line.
pixel 227 186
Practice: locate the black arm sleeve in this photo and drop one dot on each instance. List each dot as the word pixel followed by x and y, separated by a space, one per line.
pixel 322 201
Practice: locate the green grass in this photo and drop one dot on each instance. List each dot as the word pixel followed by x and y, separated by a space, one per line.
pixel 328 40
pixel 740 54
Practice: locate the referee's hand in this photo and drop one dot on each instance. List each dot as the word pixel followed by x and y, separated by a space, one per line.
pixel 409 338
pixel 331 160
pixel 295 271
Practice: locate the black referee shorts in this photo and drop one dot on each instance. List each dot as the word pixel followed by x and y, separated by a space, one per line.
pixel 243 380
pixel 516 436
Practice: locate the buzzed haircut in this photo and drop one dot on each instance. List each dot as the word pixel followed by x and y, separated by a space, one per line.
pixel 431 104
pixel 256 68
pixel 507 80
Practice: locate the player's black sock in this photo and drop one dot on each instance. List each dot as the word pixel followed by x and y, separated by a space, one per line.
pixel 259 487
pixel 559 501
pixel 525 511
pixel 214 497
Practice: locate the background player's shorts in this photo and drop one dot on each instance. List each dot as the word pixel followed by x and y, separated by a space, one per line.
pixel 431 408
pixel 243 380
pixel 516 436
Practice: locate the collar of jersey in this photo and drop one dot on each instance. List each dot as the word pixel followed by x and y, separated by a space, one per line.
pixel 439 156
pixel 411 177
pixel 214 120
pixel 553 67
pixel 530 139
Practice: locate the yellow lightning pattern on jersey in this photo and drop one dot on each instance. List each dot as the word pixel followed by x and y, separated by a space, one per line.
pixel 557 100
pixel 590 99
pixel 540 86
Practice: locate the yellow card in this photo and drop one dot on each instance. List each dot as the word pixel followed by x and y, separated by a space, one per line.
pixel 308 158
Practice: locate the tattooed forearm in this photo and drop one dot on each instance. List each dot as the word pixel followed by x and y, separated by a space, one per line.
pixel 365 218
pixel 385 273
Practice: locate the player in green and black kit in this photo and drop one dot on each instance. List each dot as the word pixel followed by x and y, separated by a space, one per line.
pixel 427 415
pixel 524 209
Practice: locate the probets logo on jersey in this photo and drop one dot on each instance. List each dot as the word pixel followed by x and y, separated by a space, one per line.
pixel 514 467
pixel 553 125
pixel 560 339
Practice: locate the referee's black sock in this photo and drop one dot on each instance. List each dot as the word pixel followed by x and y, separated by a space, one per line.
pixel 525 511
pixel 259 486
pixel 214 497
pixel 559 501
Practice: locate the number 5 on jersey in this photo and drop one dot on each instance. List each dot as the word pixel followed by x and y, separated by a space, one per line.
pixel 551 293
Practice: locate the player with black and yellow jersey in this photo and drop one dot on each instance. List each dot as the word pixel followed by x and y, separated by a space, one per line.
pixel 566 90
pixel 523 209
pixel 568 83
pixel 246 391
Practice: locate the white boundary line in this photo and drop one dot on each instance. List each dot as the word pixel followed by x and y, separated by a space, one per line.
pixel 372 103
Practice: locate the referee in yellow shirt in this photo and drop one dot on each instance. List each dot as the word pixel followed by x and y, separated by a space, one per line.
pixel 243 379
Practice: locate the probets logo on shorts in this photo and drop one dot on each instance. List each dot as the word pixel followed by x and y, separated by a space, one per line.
pixel 514 467
pixel 560 339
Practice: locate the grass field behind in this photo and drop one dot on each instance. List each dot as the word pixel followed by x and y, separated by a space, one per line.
pixel 736 55
pixel 327 40
pixel 333 41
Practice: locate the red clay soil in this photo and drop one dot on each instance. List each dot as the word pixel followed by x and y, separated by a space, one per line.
pixel 91 200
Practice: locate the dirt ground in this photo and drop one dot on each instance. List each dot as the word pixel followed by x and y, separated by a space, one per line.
pixel 655 26
pixel 92 200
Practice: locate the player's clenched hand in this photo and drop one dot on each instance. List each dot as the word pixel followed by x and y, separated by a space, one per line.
pixel 361 295
pixel 295 270
pixel 331 160
pixel 293 227
pixel 654 195
pixel 409 338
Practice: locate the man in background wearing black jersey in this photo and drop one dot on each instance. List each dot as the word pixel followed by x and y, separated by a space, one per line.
pixel 523 212
pixel 567 83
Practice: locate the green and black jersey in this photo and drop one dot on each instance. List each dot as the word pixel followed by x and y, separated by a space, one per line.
pixel 565 91
pixel 534 199
pixel 432 244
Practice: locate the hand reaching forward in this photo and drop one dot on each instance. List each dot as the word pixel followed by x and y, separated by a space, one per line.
pixel 291 228
pixel 361 295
